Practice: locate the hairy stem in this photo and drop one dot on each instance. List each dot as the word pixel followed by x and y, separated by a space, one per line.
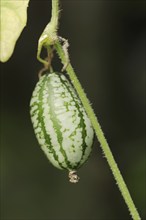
pixel 52 38
pixel 100 135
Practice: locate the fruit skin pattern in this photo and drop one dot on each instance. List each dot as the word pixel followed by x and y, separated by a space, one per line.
pixel 60 122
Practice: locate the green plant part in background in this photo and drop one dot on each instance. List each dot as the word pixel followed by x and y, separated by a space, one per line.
pixel 13 20
pixel 61 124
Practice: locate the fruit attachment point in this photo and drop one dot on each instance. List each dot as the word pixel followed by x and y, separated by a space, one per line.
pixel 73 177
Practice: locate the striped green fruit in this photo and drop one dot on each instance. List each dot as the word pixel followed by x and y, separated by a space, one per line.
pixel 61 124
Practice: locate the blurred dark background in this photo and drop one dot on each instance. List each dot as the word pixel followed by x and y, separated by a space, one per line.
pixel 107 51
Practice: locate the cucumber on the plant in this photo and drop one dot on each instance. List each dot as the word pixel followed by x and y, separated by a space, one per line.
pixel 60 123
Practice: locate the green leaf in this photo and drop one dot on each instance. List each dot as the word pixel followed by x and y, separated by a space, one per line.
pixel 13 20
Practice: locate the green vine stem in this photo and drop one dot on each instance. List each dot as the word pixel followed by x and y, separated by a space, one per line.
pixel 100 135
pixel 49 38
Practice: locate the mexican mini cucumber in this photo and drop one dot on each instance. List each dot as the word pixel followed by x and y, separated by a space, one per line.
pixel 61 124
